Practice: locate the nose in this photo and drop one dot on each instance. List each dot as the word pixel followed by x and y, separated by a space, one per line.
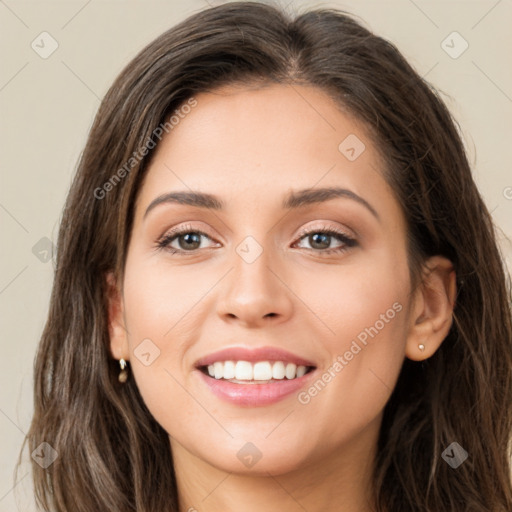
pixel 256 293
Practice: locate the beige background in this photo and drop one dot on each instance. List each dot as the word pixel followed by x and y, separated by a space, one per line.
pixel 48 105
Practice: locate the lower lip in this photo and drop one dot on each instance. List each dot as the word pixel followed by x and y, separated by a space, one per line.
pixel 254 395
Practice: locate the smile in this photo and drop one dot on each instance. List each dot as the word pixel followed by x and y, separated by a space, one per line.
pixel 261 372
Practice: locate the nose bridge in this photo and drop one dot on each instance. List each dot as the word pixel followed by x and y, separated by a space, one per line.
pixel 252 263
pixel 254 291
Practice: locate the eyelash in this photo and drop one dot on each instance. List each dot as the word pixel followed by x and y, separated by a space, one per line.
pixel 163 242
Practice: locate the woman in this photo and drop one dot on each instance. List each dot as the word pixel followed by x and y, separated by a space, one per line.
pixel 337 336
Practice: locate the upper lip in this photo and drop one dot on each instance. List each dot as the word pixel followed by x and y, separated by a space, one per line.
pixel 253 355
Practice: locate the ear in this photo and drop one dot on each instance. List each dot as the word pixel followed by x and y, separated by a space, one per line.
pixel 119 348
pixel 432 313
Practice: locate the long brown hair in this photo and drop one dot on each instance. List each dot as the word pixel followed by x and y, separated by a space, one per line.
pixel 112 454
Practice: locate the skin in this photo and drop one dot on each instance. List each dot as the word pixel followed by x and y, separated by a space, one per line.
pixel 251 146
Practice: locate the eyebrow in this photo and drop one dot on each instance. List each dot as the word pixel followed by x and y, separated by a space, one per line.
pixel 295 199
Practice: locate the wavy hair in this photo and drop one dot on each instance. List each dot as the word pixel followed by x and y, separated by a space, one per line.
pixel 113 455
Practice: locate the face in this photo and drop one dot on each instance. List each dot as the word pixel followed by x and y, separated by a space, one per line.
pixel 322 277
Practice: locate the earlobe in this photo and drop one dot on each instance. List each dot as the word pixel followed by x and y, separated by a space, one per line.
pixel 432 315
pixel 116 325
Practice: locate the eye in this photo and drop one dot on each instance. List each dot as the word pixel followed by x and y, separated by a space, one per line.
pixel 189 240
pixel 321 238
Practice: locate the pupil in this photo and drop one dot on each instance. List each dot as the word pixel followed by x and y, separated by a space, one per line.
pixel 188 239
pixel 320 235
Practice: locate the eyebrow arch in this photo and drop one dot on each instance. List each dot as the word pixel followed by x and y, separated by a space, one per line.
pixel 295 199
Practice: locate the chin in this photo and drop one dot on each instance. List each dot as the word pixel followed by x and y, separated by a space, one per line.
pixel 256 458
pixel 274 462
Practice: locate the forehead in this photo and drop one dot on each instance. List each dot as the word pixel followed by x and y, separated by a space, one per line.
pixel 253 143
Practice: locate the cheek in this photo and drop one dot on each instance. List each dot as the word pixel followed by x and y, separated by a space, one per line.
pixel 362 310
pixel 364 299
pixel 161 306
pixel 160 300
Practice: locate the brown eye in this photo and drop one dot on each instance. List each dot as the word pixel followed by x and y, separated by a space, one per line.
pixel 320 240
pixel 188 240
pixel 191 240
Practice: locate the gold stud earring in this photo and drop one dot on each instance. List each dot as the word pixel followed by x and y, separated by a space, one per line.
pixel 421 347
pixel 123 374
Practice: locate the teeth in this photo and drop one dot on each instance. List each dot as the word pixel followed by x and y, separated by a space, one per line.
pixel 243 370
pixel 229 370
pixel 301 370
pixel 260 371
pixel 218 370
pixel 278 370
pixel 290 371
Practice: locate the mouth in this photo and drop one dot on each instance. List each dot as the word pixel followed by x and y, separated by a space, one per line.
pixel 255 365
pixel 254 377
pixel 260 372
